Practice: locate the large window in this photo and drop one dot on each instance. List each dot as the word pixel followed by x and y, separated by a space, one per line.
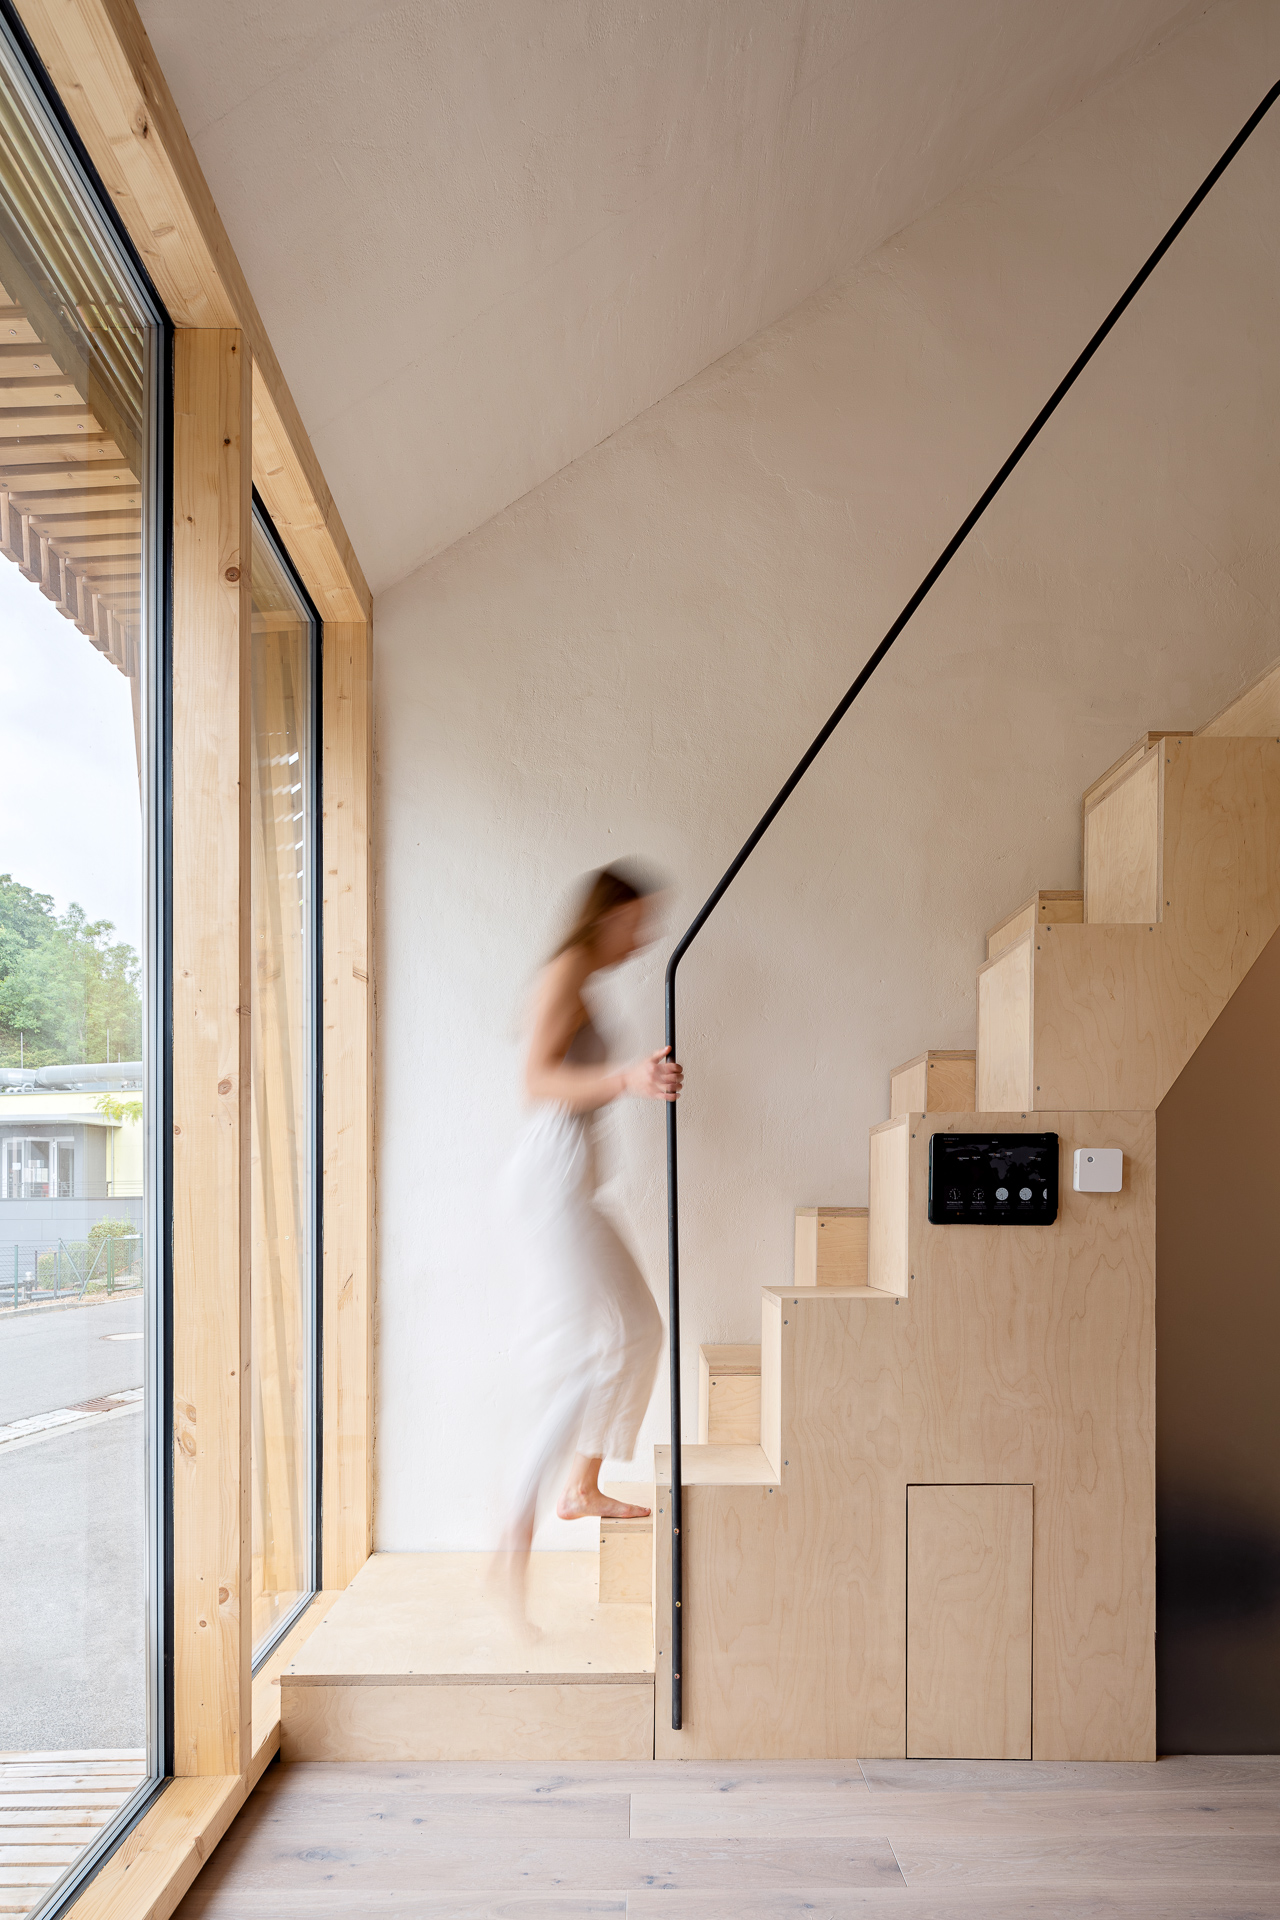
pixel 81 362
pixel 284 673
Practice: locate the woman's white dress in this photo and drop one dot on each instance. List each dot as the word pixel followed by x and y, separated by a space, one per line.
pixel 591 1330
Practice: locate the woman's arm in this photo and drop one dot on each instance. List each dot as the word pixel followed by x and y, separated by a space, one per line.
pixel 549 1076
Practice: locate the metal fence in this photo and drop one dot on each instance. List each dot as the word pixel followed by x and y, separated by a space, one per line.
pixel 53 1271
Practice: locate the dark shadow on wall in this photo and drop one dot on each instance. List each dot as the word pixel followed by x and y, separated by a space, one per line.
pixel 1218 1384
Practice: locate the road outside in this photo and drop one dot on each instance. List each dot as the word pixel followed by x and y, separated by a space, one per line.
pixel 72 1535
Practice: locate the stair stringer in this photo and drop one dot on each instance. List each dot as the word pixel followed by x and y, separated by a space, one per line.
pixel 1021 1356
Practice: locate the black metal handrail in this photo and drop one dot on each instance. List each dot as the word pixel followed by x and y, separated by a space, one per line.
pixel 780 799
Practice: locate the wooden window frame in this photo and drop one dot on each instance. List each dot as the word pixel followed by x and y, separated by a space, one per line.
pixel 236 427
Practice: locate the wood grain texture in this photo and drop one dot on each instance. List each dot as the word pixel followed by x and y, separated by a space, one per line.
pixel 1046 907
pixel 1122 848
pixel 1118 1011
pixel 729 1395
pixel 156 1862
pixel 688 1812
pixel 111 83
pixel 1005 1000
pixel 1121 769
pixel 733 1410
pixel 887 1267
pixel 347 1015
pixel 469 1722
pixel 626 1562
pixel 969 1622
pixel 934 1082
pixel 1181 1840
pixel 266 1685
pixel 211 1083
pixel 287 475
pixel 831 1247
pixel 795 1629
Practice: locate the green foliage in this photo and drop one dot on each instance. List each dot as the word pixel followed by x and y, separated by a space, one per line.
pixel 112 1108
pixel 64 984
pixel 112 1230
pixel 105 1264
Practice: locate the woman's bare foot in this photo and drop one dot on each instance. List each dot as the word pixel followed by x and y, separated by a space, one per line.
pixel 594 1505
pixel 583 1500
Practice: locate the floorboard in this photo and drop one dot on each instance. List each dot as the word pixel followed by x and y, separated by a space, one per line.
pixel 1194 1839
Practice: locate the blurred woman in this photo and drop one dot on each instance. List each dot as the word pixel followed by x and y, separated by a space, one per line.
pixel 593 1333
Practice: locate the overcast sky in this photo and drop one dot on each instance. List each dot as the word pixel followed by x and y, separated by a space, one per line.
pixel 69 817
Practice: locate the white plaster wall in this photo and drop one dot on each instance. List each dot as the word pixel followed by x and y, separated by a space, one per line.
pixel 631 658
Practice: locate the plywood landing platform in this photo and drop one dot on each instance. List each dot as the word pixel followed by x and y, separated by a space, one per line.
pixel 420 1660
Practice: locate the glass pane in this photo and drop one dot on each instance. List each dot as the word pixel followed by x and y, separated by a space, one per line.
pixel 283 1273
pixel 79 355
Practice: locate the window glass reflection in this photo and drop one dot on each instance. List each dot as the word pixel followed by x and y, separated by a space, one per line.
pixel 79 1460
pixel 284 1055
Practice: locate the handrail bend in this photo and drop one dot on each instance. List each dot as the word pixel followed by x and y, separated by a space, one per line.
pixel 780 799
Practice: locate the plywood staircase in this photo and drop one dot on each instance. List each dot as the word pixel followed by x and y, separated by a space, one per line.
pixel 953 1494
pixel 920 1516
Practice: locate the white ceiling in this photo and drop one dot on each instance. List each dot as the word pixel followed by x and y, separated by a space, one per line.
pixel 483 234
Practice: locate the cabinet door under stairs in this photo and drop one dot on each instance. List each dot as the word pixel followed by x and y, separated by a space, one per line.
pixel 969 1622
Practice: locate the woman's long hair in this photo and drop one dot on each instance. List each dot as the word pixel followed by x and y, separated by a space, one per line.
pixel 599 893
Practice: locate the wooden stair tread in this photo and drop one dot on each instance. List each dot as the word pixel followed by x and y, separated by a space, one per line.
pixel 635 1495
pixel 713 1466
pixel 841 1213
pixel 424 1618
pixel 739 1358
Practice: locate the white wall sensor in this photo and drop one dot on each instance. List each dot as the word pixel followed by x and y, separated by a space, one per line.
pixel 1099 1170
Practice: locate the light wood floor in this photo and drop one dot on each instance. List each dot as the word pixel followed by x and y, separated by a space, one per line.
pixel 1188 1839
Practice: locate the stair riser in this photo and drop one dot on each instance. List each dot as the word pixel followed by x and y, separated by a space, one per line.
pixel 831 1247
pixel 407 1722
pixel 935 1083
pixel 626 1563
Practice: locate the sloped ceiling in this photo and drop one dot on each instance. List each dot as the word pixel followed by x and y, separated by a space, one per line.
pixel 484 234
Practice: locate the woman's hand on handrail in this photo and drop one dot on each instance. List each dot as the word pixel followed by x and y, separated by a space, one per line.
pixel 654 1077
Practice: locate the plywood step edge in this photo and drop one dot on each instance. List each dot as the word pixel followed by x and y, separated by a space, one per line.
pixel 1046 906
pixel 1128 764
